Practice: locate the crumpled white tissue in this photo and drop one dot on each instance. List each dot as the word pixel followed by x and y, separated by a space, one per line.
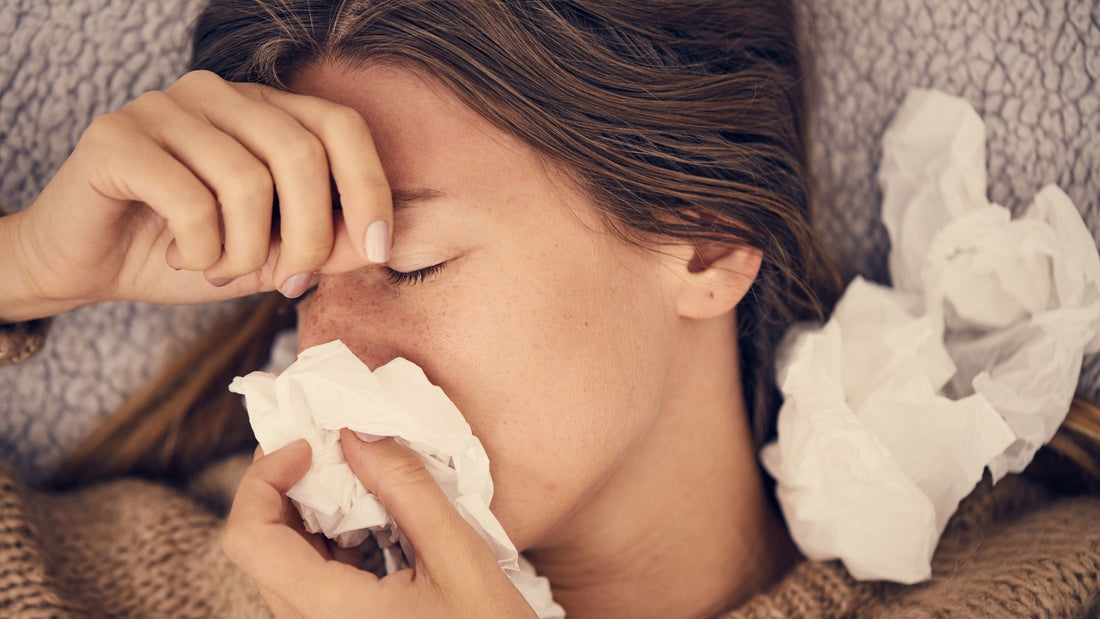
pixel 329 388
pixel 893 409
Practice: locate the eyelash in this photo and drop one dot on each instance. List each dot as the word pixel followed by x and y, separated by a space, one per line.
pixel 401 278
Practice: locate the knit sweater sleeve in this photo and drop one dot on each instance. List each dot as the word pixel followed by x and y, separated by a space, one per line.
pixel 21 340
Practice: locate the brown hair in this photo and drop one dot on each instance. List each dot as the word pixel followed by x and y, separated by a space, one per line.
pixel 1071 460
pixel 185 417
pixel 682 119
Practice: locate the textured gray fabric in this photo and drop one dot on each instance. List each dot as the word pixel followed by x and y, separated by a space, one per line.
pixel 62 63
pixel 1030 68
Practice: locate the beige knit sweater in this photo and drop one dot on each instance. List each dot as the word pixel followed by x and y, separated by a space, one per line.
pixel 138 549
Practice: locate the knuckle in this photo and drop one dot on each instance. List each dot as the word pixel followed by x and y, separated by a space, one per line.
pixel 195 214
pixel 197 78
pixel 306 257
pixel 199 256
pixel 239 264
pixel 149 102
pixel 198 86
pixel 405 470
pixel 107 128
pixel 236 542
pixel 294 260
pixel 341 120
pixel 248 183
pixel 376 185
pixel 198 203
pixel 252 90
pixel 305 152
pixel 375 180
pixel 203 261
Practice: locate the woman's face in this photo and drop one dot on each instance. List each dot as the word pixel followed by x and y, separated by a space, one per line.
pixel 549 334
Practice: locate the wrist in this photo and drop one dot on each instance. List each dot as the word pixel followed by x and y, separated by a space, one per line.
pixel 21 299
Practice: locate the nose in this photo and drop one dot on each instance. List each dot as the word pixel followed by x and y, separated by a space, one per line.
pixel 353 308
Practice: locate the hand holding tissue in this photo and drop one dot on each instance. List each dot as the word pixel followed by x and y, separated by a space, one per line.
pixel 329 388
pixel 893 409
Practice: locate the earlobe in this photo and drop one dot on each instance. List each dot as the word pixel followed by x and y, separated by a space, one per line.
pixel 714 281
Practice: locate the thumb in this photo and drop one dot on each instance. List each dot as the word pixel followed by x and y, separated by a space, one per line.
pixel 447 547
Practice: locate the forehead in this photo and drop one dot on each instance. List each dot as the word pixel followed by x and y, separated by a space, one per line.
pixel 428 140
pixel 425 136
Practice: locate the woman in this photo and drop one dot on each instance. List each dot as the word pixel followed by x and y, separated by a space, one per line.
pixel 588 223
pixel 569 248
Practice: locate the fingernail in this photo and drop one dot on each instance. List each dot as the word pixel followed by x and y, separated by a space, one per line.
pixel 218 282
pixel 378 242
pixel 295 285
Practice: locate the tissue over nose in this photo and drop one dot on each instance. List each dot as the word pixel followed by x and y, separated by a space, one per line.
pixel 329 388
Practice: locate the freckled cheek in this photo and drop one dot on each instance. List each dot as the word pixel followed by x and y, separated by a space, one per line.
pixel 533 364
pixel 534 394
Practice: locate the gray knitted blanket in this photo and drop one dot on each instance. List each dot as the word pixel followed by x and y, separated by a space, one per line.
pixel 1031 69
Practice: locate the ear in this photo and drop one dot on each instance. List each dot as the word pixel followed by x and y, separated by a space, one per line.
pixel 710 281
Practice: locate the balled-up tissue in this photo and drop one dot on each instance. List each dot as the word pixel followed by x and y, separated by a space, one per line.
pixel 329 388
pixel 893 409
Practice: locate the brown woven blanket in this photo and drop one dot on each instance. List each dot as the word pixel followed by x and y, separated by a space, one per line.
pixel 138 549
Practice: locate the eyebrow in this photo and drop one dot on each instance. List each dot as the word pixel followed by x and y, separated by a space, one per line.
pixel 412 197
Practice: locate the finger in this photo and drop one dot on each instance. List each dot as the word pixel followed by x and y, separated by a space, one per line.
pixel 259 280
pixel 145 172
pixel 278 604
pixel 344 258
pixel 261 495
pixel 296 158
pixel 316 540
pixel 364 193
pixel 447 548
pixel 346 255
pixel 240 181
pixel 256 536
pixel 287 568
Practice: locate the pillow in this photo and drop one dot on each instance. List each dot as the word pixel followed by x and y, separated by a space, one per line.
pixel 62 63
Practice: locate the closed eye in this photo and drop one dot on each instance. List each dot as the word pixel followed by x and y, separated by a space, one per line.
pixel 402 278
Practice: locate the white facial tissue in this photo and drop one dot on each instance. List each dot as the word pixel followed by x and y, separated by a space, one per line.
pixel 329 388
pixel 895 407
